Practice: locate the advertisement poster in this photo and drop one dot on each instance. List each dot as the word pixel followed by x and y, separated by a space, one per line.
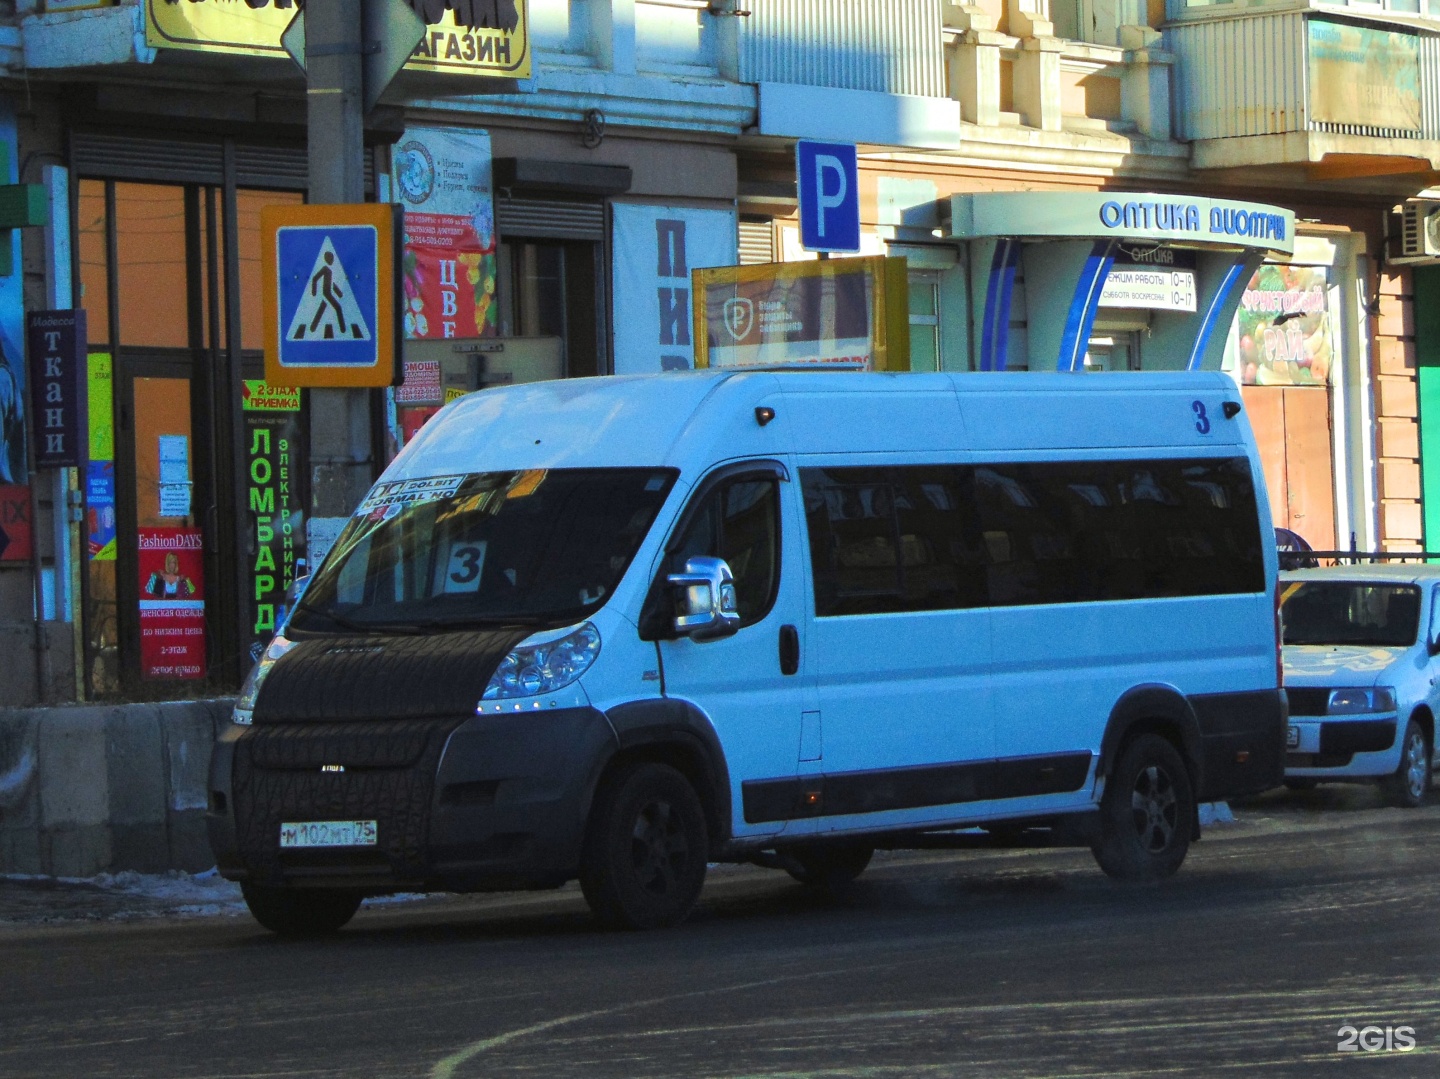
pixel 442 178
pixel 100 468
pixel 839 311
pixel 1364 74
pixel 275 471
pixel 172 603
pixel 1283 330
pixel 655 248
pixel 491 39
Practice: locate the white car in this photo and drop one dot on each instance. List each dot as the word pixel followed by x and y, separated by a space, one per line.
pixel 1361 663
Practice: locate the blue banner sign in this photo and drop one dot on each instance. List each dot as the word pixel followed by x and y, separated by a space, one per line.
pixel 55 343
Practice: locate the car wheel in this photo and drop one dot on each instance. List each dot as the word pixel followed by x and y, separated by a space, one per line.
pixel 828 868
pixel 1412 778
pixel 1302 783
pixel 294 913
pixel 646 849
pixel 1146 813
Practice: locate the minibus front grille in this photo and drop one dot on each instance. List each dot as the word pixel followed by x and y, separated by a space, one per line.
pixel 297 773
pixel 379 677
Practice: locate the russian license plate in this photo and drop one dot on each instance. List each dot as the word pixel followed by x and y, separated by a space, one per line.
pixel 1292 738
pixel 328 833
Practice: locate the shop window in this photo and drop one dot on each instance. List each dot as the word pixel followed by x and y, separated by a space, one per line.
pixel 924 321
pixel 94 265
pixel 151 271
pixel 248 205
pixel 547 288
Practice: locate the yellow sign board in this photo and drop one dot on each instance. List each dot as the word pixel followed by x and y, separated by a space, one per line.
pixel 330 294
pixel 253 28
pixel 847 312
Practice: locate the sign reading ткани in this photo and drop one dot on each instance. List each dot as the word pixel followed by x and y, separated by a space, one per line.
pixel 1185 219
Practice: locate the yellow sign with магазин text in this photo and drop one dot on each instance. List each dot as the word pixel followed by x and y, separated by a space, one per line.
pixel 487 38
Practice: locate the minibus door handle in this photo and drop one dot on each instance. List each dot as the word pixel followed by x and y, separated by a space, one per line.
pixel 789 649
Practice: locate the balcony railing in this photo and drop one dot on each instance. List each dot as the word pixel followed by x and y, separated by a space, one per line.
pixel 1255 75
pixel 889 46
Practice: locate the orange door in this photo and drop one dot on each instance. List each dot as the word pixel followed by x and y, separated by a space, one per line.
pixel 1292 428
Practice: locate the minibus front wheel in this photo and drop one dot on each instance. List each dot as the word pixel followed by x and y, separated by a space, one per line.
pixel 292 912
pixel 1146 813
pixel 646 848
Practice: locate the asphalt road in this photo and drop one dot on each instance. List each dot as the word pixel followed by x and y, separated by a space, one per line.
pixel 1312 912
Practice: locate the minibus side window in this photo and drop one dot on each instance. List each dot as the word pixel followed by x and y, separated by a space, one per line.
pixel 893 539
pixel 740 522
pixel 930 537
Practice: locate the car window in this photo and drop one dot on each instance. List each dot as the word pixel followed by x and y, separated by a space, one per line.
pixel 1350 612
pixel 738 521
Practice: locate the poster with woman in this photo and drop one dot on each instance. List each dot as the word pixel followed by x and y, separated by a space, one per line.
pixel 172 603
pixel 1283 332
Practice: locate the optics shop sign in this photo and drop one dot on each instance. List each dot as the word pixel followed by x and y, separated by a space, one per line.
pixel 837 311
pixel 465 37
pixel 55 341
pixel 1150 277
pixel 1190 220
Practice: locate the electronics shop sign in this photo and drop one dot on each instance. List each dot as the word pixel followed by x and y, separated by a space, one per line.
pixel 1191 221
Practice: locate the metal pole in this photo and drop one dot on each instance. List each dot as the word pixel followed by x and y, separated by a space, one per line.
pixel 340 452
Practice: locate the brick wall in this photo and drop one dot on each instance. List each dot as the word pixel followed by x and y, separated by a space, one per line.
pixel 1396 412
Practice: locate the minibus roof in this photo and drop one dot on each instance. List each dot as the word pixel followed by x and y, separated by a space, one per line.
pixel 691 420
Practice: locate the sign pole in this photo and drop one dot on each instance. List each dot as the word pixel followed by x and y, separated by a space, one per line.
pixel 340 441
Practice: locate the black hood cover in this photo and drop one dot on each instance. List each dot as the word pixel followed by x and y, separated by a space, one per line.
pixel 383 677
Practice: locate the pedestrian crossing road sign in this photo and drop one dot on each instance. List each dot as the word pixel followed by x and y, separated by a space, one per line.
pixel 331 303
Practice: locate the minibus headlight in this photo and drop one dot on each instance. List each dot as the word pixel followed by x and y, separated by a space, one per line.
pixel 545 662
pixel 244 711
pixel 1360 699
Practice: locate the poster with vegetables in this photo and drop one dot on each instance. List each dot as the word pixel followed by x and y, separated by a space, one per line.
pixel 441 176
pixel 1284 332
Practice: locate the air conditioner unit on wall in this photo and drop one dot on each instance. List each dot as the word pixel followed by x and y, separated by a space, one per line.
pixel 1419 233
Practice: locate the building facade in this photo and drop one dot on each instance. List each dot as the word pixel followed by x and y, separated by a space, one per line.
pixel 564 168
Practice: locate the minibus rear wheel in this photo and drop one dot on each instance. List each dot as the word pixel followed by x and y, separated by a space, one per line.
pixel 646 848
pixel 295 913
pixel 1146 813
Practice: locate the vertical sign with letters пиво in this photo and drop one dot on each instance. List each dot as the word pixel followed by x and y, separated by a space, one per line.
pixel 655 248
pixel 55 341
pixel 275 469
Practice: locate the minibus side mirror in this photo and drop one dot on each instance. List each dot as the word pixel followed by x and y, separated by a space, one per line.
pixel 707 596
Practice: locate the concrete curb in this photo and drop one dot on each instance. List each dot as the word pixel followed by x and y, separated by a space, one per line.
pixel 91 789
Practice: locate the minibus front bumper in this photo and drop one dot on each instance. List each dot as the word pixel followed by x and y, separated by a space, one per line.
pixel 460 804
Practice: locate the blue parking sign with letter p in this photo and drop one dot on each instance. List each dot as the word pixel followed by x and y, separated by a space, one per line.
pixel 827 179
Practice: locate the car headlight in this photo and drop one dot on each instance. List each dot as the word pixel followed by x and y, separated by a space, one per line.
pixel 1351 701
pixel 244 712
pixel 545 662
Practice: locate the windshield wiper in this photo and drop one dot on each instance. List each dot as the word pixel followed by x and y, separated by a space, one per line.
pixel 338 619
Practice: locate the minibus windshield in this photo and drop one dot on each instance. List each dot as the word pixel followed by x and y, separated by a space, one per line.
pixel 1349 612
pixel 534 547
